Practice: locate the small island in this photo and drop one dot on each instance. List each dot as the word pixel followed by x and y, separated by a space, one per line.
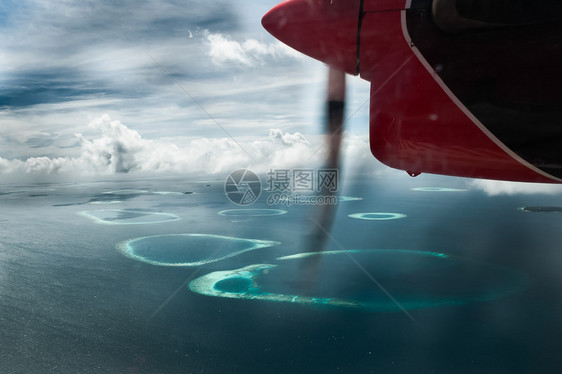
pixel 542 209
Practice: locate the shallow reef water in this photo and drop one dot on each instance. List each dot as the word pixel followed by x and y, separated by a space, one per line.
pixel 252 212
pixel 377 216
pixel 127 217
pixel 188 249
pixel 439 189
pixel 415 279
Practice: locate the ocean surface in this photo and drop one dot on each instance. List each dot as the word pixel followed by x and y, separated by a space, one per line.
pixel 419 275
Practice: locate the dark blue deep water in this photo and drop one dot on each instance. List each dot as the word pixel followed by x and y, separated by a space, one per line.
pixel 72 302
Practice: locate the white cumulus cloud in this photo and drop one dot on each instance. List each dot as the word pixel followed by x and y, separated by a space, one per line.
pixel 494 188
pixel 115 149
pixel 223 50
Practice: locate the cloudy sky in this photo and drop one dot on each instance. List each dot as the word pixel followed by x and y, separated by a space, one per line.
pixel 101 88
pixel 104 87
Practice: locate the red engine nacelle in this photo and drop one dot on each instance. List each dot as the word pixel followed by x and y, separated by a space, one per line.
pixel 455 91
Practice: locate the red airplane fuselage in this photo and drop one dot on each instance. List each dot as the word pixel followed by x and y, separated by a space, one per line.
pixel 459 88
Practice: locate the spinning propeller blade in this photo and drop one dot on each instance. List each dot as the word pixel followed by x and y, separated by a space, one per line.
pixel 323 216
